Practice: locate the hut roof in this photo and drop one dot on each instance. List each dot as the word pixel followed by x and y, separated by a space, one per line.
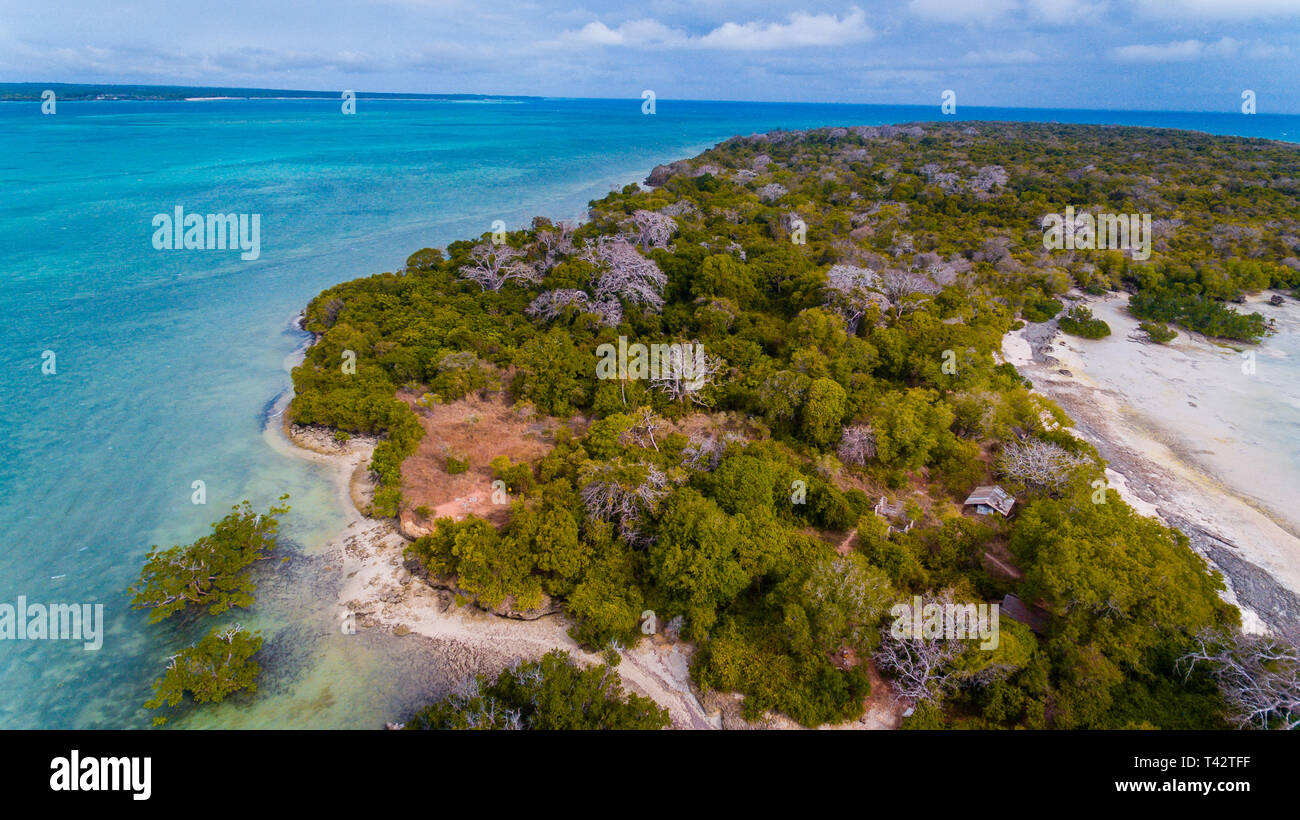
pixel 992 496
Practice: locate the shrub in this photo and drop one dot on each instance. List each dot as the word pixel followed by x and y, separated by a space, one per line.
pixel 1040 310
pixel 1080 322
pixel 1158 332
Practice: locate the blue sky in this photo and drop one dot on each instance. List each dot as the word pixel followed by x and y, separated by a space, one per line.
pixel 1162 54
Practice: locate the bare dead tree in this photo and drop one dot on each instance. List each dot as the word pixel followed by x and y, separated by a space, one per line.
pixel 555 244
pixel 851 291
pixel 1038 464
pixel 684 374
pixel 610 311
pixel 1258 675
pixel 987 180
pixel 857 445
pixel 550 304
pixel 653 230
pixel 626 274
pixel 705 452
pixel 941 274
pixel 924 669
pixel 771 192
pixel 622 494
pixel 645 424
pixel 906 290
pixel 921 668
pixel 494 265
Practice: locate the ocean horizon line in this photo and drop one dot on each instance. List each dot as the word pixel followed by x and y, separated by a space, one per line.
pixel 263 94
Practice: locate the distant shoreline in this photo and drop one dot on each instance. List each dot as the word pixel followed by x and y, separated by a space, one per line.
pixel 95 92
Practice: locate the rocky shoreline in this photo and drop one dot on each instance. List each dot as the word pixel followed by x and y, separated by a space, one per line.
pixel 1170 488
pixel 380 591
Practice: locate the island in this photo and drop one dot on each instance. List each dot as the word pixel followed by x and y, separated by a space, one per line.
pixel 714 437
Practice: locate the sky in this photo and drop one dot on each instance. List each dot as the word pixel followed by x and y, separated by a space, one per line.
pixel 1189 55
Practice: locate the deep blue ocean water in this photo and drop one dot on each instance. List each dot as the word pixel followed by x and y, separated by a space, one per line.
pixel 166 361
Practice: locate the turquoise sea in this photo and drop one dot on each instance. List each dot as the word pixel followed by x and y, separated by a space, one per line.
pixel 167 362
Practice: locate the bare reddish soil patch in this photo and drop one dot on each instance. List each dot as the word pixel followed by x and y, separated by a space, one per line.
pixel 475 428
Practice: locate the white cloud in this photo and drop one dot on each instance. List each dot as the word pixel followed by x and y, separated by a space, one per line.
pixel 1183 50
pixel 1218 9
pixel 1162 52
pixel 801 31
pixel 634 33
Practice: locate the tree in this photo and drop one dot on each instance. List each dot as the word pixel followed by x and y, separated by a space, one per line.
pixel 554 373
pixel 782 394
pixel 550 304
pixel 685 375
pixel 486 564
pixel 494 265
pixel 622 494
pixel 846 598
pixel 1258 675
pixel 697 559
pixel 556 243
pixel 1039 464
pixel 822 412
pixel 1115 579
pixel 626 274
pixel 645 425
pixel 218 665
pixel 653 230
pixel 1078 321
pixel 551 694
pixel 211 572
pixel 910 426
pixel 857 445
pixel 923 669
pixel 906 290
pixel 851 291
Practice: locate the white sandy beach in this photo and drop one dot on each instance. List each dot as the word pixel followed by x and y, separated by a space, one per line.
pixel 1191 438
